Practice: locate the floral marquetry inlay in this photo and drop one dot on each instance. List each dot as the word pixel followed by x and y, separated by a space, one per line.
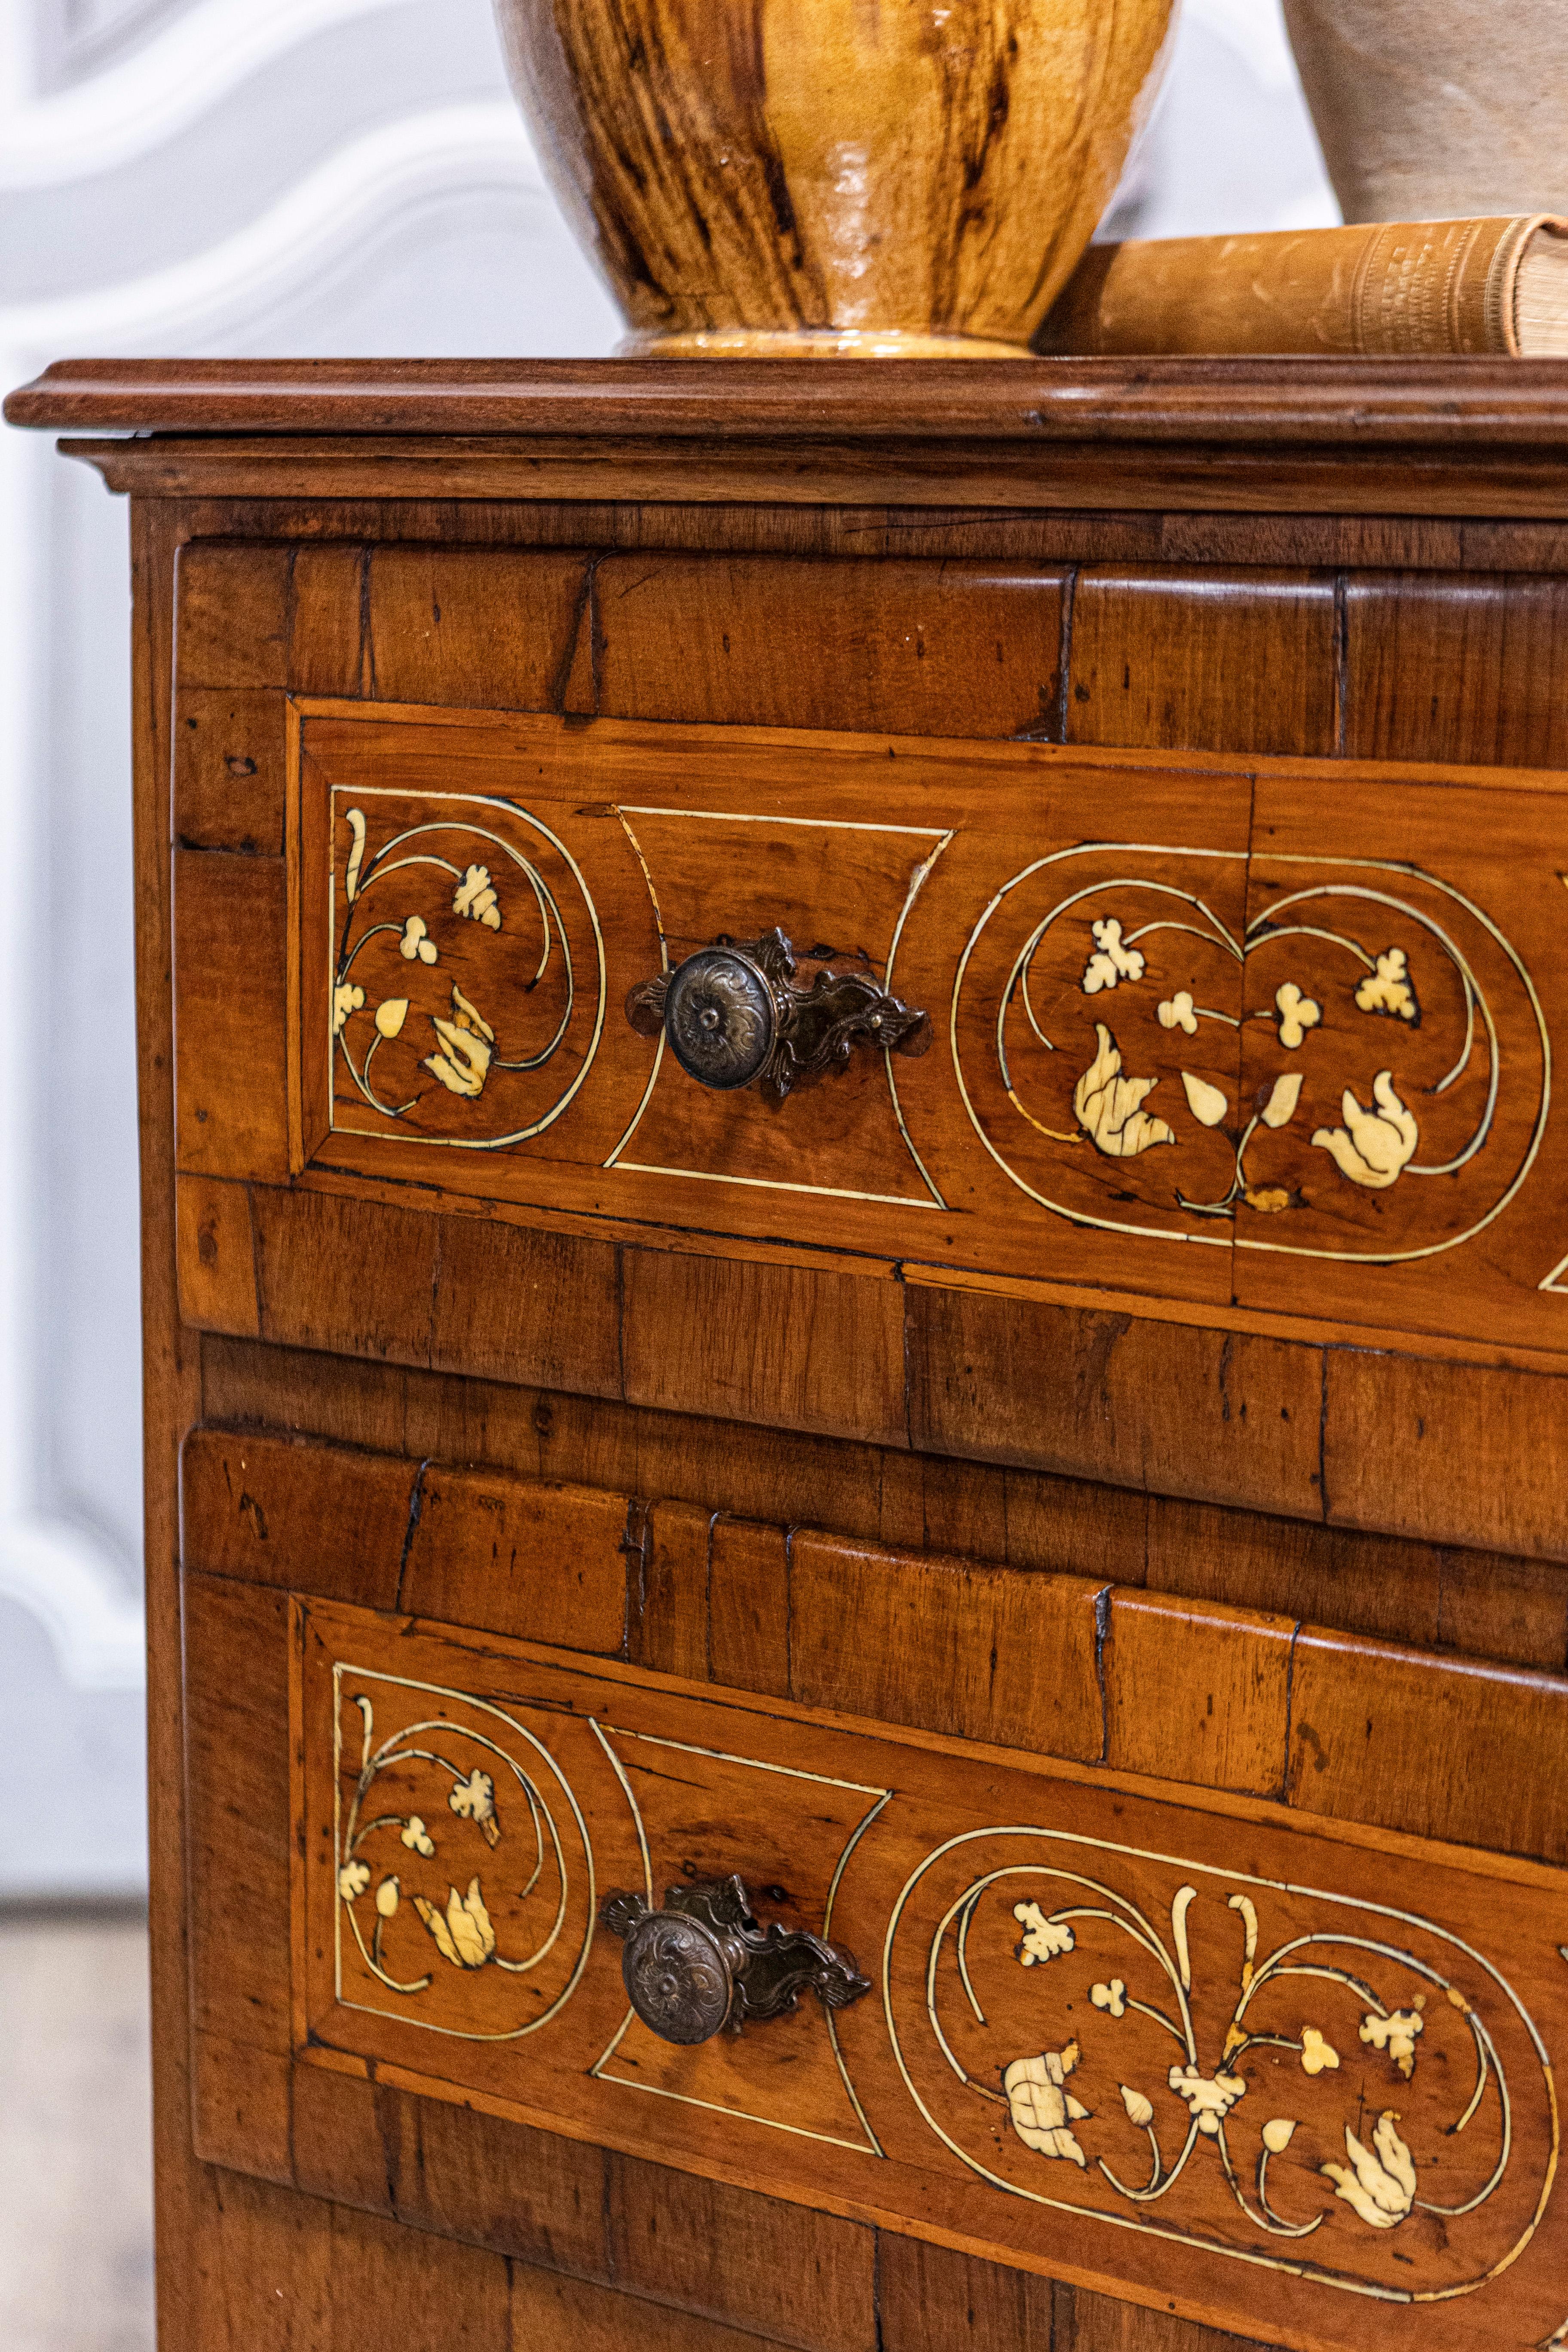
pixel 1247 1064
pixel 468 989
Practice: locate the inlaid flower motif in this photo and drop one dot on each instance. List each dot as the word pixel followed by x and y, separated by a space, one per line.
pixel 390 1017
pixel 474 1800
pixel 1388 990
pixel 1139 2108
pixel 1380 2183
pixel 1107 1106
pixel 1207 1104
pixel 346 999
pixel 1112 1997
pixel 1278 2133
pixel 1373 1146
pixel 1178 1012
pixel 1042 2109
pixel 467 1043
pixel 416 1836
pixel 463 1932
pixel 1397 2034
pixel 1318 2057
pixel 1283 1097
pixel 1111 961
pixel 1209 2098
pixel 475 898
pixel 1043 1938
pixel 386 1897
pixel 1298 1014
pixel 352 1880
pixel 416 941
pixel 1268 1199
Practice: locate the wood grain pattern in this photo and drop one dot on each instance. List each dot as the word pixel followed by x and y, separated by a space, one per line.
pixel 1456 669
pixel 1499 1605
pixel 1362 1713
pixel 229 780
pixel 1200 661
pixel 229 980
pixel 947 1645
pixel 1202 1697
pixel 1470 407
pixel 906 648
pixel 974 1390
pixel 1434 1521
pixel 450 625
pixel 216 1253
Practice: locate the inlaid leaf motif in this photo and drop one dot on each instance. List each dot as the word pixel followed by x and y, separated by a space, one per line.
pixel 1042 2109
pixel 1206 1103
pixel 468 1042
pixel 1107 1106
pixel 1380 2182
pixel 474 1800
pixel 1373 1146
pixel 463 1933
pixel 475 896
pixel 1283 1097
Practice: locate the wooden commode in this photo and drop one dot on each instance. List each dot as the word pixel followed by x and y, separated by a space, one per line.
pixel 857 1321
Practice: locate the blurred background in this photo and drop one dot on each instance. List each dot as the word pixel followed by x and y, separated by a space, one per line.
pixel 256 178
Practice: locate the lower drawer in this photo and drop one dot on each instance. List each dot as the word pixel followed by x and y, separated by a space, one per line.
pixel 1170 2044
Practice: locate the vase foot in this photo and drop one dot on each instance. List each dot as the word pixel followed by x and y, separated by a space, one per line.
pixel 817 343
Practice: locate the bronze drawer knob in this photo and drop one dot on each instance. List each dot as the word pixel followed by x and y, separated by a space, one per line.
pixel 703 1964
pixel 732 1018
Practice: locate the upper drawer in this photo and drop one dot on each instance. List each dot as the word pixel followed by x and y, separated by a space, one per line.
pixel 1203 1034
pixel 1265 1038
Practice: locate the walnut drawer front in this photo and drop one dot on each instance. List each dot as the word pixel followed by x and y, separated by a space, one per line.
pixel 1263 1039
pixel 1148 2036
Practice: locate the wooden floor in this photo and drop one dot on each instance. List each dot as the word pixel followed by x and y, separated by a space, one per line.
pixel 76 2200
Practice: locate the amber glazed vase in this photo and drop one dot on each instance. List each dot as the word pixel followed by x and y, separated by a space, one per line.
pixel 866 176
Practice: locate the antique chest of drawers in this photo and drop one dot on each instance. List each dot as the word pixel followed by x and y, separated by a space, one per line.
pixel 857 1304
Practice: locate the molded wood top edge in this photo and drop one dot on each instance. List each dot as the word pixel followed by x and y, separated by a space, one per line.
pixel 1468 404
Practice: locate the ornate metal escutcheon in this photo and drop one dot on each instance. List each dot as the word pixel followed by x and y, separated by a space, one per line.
pixel 733 1019
pixel 704 1964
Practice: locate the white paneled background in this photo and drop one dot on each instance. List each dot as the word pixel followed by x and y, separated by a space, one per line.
pixel 260 177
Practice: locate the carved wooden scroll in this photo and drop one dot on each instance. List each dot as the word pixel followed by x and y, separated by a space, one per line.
pixel 1296 2082
pixel 1275 1039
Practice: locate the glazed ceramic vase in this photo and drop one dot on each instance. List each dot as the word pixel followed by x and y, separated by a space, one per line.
pixel 1438 110
pixel 899 176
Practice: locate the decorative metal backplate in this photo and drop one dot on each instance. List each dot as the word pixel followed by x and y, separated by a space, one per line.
pixel 704 1962
pixel 734 1018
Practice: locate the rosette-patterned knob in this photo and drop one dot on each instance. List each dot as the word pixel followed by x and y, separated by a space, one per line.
pixel 703 1964
pixel 731 1017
